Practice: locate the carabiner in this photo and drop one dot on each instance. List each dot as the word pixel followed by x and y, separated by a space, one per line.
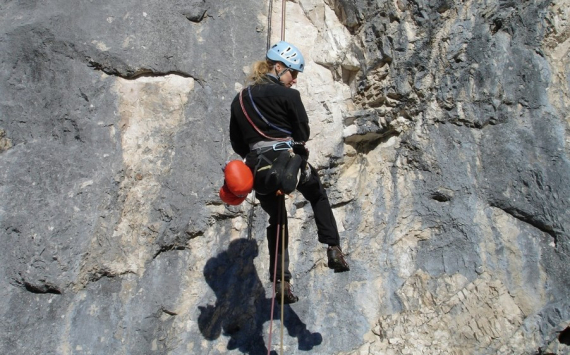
pixel 278 146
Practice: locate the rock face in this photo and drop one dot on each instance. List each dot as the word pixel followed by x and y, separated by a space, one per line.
pixel 440 129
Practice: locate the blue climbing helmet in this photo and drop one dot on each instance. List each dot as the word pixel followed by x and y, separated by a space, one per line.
pixel 288 54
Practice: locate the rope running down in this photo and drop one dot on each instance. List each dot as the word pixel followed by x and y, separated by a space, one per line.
pixel 281 201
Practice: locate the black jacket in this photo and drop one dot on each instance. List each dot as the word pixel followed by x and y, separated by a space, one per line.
pixel 281 106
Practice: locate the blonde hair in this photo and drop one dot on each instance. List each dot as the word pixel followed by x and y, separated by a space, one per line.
pixel 259 70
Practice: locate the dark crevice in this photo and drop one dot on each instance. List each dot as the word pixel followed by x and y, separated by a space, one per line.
pixel 541 352
pixel 315 265
pixel 83 95
pixel 301 204
pixel 342 203
pixel 139 73
pixel 528 219
pixel 42 289
pixel 442 194
pixel 166 248
pixel 196 16
pixel 98 275
pixel 496 25
pixel 367 142
pixel 169 312
pixel 192 235
pixel 440 197
pixel 229 214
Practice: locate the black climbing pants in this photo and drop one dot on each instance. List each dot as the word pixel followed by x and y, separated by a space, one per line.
pixel 327 232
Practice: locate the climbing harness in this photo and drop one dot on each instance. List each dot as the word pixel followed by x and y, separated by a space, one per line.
pixel 280 231
pixel 284 174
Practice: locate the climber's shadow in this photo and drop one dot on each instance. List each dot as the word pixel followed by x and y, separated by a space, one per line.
pixel 241 307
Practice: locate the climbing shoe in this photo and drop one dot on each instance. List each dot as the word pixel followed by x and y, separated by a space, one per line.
pixel 289 296
pixel 336 259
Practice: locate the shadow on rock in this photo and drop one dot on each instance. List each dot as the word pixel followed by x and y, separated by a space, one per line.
pixel 241 307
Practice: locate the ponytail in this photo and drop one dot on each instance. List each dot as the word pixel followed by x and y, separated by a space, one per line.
pixel 259 70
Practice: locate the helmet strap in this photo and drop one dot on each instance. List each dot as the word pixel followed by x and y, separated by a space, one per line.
pixel 282 72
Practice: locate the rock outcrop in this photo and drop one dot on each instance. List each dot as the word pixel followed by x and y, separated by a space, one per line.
pixel 440 128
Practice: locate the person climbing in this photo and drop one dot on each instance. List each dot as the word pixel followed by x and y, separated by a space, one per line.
pixel 269 127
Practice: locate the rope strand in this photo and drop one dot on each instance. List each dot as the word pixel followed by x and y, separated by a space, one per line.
pixel 281 202
pixel 280 232
pixel 269 19
pixel 275 278
pixel 283 223
pixel 283 7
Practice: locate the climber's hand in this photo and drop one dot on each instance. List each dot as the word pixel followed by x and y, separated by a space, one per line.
pixel 301 149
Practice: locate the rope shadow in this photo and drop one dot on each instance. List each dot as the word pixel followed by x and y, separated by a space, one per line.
pixel 241 307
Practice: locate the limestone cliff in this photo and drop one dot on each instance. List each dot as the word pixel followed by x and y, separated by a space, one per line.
pixel 440 127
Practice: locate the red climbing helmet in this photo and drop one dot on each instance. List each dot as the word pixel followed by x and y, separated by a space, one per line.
pixel 238 182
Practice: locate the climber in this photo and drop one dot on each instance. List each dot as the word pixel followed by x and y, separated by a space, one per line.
pixel 269 124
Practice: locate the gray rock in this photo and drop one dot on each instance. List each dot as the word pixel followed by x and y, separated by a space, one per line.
pixel 450 180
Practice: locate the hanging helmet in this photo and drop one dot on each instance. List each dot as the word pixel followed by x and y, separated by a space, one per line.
pixel 229 197
pixel 288 54
pixel 238 178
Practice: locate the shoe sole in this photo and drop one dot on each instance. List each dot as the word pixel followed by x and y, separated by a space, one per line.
pixel 338 266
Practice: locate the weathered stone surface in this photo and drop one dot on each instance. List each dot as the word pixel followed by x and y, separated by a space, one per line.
pixel 440 129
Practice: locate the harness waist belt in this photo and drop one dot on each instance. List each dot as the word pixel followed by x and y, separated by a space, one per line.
pixel 264 144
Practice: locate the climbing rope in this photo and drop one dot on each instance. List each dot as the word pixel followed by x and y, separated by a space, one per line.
pixel 280 209
pixel 269 16
pixel 269 20
pixel 280 232
pixel 283 2
pixel 284 216
pixel 251 215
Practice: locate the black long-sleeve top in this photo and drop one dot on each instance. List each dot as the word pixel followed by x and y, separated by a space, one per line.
pixel 281 106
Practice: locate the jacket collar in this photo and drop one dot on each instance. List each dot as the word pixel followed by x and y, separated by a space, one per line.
pixel 273 79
